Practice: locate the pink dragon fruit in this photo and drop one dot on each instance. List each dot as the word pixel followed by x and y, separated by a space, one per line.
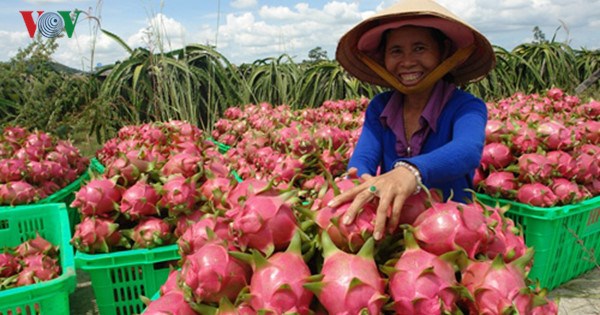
pixel 151 232
pixel 496 156
pixel 209 228
pixel 333 162
pixel 179 195
pixel 534 167
pixel 494 129
pixel 214 190
pixel 15 135
pixel 500 184
pixel 37 245
pixel 562 162
pixel 182 163
pixel 17 193
pixel 98 235
pixel 525 140
pixel 139 200
pixel 590 131
pixel 277 282
pixel 449 226
pixel 555 94
pixel 58 157
pixel 144 159
pixel 39 139
pixel 9 265
pixel 38 172
pixel 417 204
pixel 555 135
pixel 211 274
pixel 303 144
pixel 36 268
pixel 29 153
pixel 121 168
pixel 12 170
pixel 536 194
pixel 314 184
pixel 348 237
pixel 350 284
pixel 423 283
pixel 72 153
pixel 99 197
pixel 587 167
pixel 184 221
pixel 172 303
pixel 567 192
pixel 172 282
pixel 478 177
pixel 337 187
pixel 287 169
pixel 495 285
pixel 265 222
pixel 505 238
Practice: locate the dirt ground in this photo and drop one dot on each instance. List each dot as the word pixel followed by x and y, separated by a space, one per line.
pixel 580 296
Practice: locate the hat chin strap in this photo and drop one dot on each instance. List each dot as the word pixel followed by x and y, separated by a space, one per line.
pixel 458 57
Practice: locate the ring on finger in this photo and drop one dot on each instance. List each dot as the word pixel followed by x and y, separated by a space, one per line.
pixel 373 190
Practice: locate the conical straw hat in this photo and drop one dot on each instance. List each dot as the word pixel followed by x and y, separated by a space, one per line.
pixel 365 39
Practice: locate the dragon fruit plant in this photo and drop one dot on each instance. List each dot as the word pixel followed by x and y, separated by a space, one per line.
pixel 35 165
pixel 30 262
pixel 541 150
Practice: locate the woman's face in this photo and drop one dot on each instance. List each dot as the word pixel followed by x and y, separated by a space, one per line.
pixel 411 52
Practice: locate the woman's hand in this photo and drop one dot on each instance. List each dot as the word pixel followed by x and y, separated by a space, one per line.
pixel 392 189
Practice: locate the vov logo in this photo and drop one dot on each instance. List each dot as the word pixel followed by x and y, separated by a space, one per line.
pixel 51 24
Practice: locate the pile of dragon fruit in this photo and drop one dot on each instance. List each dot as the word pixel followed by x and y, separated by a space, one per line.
pixel 30 262
pixel 153 185
pixel 35 164
pixel 542 150
pixel 292 147
pixel 261 251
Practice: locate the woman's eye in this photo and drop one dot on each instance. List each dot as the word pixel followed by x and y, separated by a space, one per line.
pixel 395 51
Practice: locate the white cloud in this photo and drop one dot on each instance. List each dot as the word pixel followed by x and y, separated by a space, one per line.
pixel 77 51
pixel 277 13
pixel 12 41
pixel 243 4
pixel 161 33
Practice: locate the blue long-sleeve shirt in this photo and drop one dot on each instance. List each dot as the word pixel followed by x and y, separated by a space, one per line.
pixel 449 155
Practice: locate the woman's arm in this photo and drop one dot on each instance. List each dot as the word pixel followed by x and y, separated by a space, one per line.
pixel 368 151
pixel 463 153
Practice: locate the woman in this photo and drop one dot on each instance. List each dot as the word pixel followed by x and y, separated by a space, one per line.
pixel 425 131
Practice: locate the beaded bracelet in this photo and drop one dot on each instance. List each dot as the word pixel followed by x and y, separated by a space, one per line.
pixel 414 171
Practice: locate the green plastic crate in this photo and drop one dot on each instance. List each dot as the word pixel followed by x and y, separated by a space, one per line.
pixel 566 239
pixel 119 279
pixel 19 224
pixel 96 166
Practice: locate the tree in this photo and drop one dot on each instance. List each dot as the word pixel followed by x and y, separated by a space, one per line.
pixel 317 54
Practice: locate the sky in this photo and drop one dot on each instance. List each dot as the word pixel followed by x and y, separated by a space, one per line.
pixel 247 30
